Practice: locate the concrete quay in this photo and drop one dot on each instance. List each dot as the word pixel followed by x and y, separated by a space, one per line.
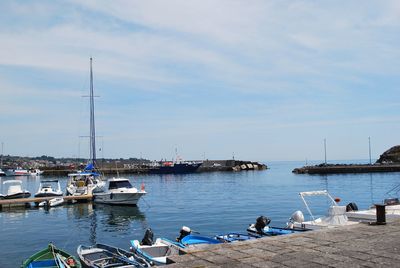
pixel 360 245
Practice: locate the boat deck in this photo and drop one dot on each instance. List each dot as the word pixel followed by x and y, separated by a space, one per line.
pixel 360 245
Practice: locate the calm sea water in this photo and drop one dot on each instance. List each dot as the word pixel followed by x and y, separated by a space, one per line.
pixel 210 203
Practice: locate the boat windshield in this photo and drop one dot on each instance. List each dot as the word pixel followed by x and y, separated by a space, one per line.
pixel 119 184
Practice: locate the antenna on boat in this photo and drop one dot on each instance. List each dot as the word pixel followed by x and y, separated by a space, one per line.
pixel 116 168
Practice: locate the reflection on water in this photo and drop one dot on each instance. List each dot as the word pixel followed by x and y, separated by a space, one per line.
pixel 119 215
pixel 211 203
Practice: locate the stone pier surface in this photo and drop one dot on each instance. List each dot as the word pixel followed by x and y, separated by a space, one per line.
pixel 360 245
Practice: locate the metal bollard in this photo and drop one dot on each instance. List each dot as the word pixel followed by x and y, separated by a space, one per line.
pixel 380 214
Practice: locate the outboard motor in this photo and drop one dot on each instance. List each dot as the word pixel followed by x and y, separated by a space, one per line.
pixel 261 222
pixel 391 201
pixel 148 237
pixel 297 216
pixel 183 232
pixel 351 207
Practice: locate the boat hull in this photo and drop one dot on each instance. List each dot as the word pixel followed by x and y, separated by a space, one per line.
pixel 175 169
pixel 101 255
pixel 25 194
pixel 127 199
pixel 46 258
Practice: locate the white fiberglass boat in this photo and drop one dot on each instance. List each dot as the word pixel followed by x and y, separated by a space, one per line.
pixel 119 192
pixel 52 202
pixel 35 172
pixel 84 183
pixel 49 188
pixel 335 217
pixel 2 173
pixel 392 211
pixel 14 190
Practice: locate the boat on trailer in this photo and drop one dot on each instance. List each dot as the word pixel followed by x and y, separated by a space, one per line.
pixel 119 192
pixel 105 256
pixel 335 217
pixel 51 257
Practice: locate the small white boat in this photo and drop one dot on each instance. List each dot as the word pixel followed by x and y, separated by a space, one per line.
pixel 49 188
pixel 156 252
pixel 52 202
pixel 392 211
pixel 119 192
pixel 14 190
pixel 35 172
pixel 336 214
pixel 2 173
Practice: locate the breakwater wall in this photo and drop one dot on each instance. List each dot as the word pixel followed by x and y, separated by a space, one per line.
pixel 206 166
pixel 343 169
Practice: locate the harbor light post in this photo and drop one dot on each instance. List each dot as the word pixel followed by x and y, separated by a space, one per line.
pixel 369 149
pixel 325 149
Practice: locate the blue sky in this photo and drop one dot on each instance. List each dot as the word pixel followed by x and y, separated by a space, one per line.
pixel 260 80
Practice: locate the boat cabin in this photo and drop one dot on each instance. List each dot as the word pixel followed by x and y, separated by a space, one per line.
pixel 119 183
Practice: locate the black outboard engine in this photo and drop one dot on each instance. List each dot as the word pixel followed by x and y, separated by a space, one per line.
pixel 148 237
pixel 351 207
pixel 183 232
pixel 261 222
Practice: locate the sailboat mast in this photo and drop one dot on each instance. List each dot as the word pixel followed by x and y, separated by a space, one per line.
pixel 92 126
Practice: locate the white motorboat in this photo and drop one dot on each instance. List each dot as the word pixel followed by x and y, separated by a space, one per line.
pixel 2 173
pixel 119 192
pixel 49 188
pixel 57 201
pixel 35 172
pixel 14 190
pixel 335 217
pixel 392 211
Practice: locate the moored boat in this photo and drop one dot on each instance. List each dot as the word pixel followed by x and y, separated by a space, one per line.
pixel 119 192
pixel 58 201
pixel 155 252
pixel 35 172
pixel 49 188
pixel 51 257
pixel 14 190
pixel 234 237
pixel 2 173
pixel 88 181
pixel 261 228
pixel 102 256
pixel 335 217
pixel 17 172
pixel 174 167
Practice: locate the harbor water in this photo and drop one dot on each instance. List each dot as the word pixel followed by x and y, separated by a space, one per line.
pixel 209 203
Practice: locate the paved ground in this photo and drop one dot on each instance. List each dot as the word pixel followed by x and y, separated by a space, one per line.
pixel 360 245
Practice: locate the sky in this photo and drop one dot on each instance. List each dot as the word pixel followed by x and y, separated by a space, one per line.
pixel 254 80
